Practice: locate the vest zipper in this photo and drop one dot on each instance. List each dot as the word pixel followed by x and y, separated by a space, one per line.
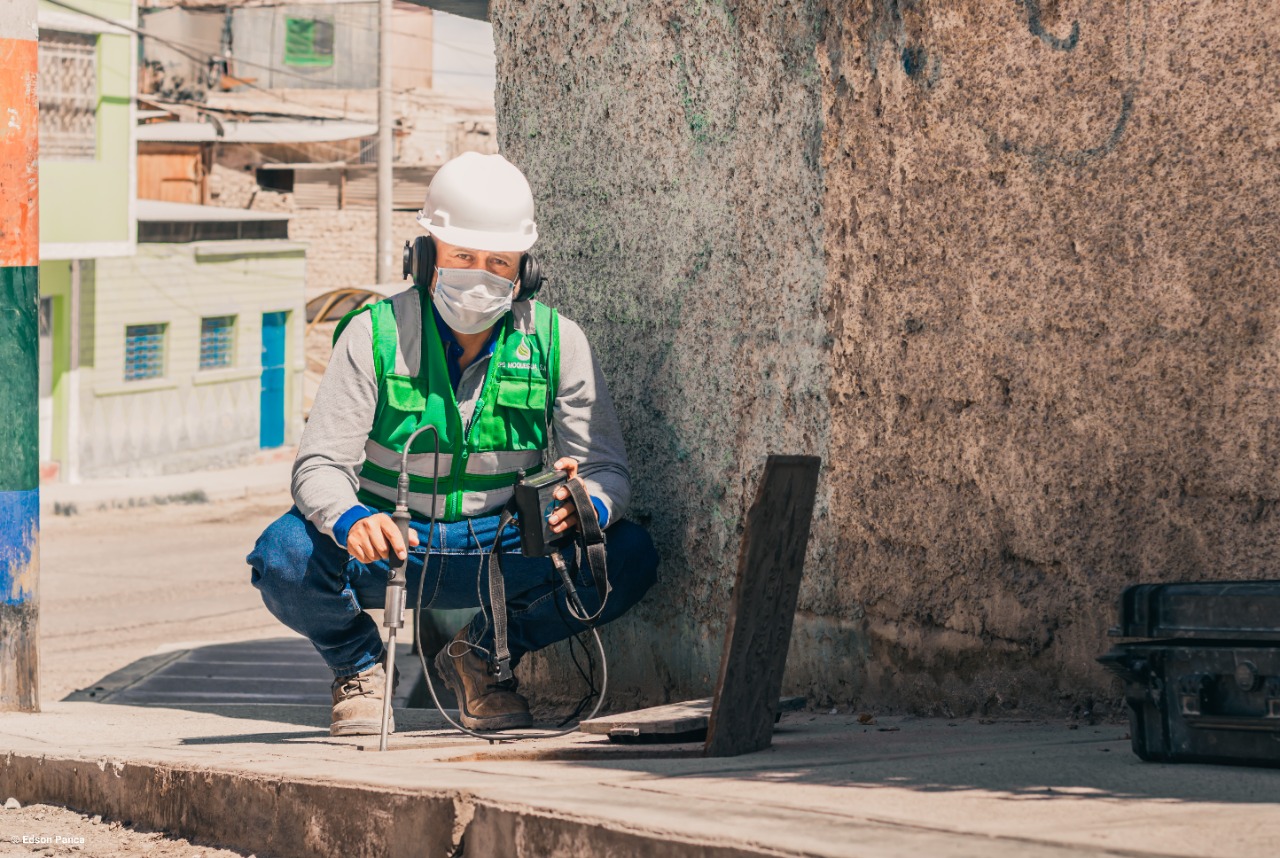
pixel 454 504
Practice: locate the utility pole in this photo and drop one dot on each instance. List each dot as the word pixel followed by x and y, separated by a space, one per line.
pixel 386 252
pixel 19 359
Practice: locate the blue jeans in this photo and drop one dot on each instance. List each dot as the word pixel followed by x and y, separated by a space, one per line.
pixel 316 588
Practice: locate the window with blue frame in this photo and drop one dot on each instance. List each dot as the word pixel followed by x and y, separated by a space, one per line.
pixel 143 352
pixel 217 341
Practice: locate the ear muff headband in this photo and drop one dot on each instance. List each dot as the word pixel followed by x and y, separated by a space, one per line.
pixel 530 277
pixel 420 261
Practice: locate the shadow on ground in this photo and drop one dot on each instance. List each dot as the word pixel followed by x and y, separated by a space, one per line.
pixel 283 681
pixel 1016 762
pixel 277 679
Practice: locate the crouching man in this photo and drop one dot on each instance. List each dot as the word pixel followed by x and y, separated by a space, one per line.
pixel 502 378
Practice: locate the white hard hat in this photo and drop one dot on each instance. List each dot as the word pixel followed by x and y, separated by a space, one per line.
pixel 482 202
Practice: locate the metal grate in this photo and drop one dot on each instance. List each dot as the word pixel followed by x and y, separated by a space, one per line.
pixel 277 670
pixel 178 232
pixel 68 93
pixel 143 352
pixel 217 341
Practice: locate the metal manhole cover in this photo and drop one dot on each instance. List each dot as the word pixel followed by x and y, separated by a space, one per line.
pixel 275 670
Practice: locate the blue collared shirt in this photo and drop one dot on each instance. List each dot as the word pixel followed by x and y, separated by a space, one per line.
pixel 453 351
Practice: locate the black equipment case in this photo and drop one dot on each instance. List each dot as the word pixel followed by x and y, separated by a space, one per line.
pixel 1205 685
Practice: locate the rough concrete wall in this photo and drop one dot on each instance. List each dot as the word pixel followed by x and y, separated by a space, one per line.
pixel 1056 326
pixel 670 146
pixel 1008 267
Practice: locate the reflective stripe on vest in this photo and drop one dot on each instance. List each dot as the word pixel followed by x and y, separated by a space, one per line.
pixel 473 503
pixel 479 462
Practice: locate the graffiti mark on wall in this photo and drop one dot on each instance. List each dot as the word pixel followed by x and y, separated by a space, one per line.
pixel 1037 29
pixel 887 29
pixel 710 120
pixel 1113 33
pixel 1135 16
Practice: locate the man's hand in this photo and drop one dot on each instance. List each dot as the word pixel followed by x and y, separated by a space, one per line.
pixel 565 516
pixel 372 537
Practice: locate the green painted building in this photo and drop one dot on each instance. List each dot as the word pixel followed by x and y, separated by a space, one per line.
pixel 87 198
pixel 170 335
pixel 196 342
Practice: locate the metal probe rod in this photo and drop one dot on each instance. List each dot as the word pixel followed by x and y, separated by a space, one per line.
pixel 393 609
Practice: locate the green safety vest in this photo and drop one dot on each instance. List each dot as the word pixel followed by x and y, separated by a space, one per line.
pixel 481 461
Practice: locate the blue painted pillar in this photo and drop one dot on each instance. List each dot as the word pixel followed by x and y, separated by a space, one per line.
pixel 19 360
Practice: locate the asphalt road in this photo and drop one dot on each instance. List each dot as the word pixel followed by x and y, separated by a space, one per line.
pixel 123 579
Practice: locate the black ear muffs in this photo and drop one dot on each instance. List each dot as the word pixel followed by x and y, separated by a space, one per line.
pixel 420 262
pixel 530 277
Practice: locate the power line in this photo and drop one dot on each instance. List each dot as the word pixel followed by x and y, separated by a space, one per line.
pixel 434 42
pixel 187 51
pixel 194 52
pixel 355 26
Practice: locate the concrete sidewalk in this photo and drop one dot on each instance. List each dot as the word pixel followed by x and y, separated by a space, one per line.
pixel 269 474
pixel 123 584
pixel 268 779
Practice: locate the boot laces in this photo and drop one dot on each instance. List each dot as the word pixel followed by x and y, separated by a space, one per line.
pixel 355 686
pixel 360 685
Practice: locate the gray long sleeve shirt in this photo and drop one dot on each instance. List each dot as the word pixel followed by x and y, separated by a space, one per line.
pixel 333 443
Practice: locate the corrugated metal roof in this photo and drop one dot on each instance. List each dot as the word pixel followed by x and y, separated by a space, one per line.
pixel 72 22
pixel 317 189
pixel 315 186
pixel 160 210
pixel 255 132
pixel 477 10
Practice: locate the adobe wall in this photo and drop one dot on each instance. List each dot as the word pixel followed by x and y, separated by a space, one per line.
pixel 1009 268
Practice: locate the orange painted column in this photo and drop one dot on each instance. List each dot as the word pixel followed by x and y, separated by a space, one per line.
pixel 19 359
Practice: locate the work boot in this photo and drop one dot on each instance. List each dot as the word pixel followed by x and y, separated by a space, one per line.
pixel 357 703
pixel 483 702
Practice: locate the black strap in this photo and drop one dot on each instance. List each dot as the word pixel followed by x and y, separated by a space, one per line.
pixel 498 606
pixel 593 545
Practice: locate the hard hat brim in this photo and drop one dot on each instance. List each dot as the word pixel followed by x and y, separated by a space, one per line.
pixel 494 242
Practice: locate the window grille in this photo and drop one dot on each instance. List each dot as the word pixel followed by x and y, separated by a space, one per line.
pixel 68 94
pixel 143 352
pixel 217 341
pixel 308 42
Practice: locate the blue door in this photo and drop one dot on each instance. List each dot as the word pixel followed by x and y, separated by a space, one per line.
pixel 271 428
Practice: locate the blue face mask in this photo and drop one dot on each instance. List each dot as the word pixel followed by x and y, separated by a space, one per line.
pixel 471 300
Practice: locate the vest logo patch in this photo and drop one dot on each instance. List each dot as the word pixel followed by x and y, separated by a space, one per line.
pixel 523 351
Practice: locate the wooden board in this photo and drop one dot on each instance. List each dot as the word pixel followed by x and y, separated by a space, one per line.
pixel 676 722
pixel 171 172
pixel 670 719
pixel 762 607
